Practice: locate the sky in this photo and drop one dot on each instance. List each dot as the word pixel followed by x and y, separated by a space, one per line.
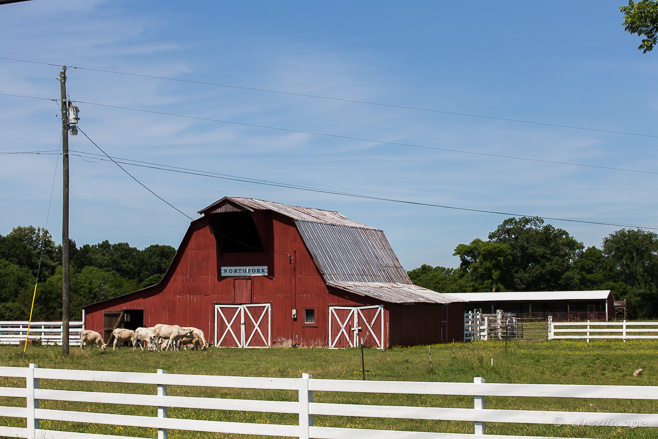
pixel 433 121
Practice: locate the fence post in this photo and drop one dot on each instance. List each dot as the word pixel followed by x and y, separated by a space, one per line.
pixel 485 336
pixel 624 332
pixel 588 331
pixel 305 398
pixel 479 404
pixel 163 433
pixel 32 403
pixel 551 333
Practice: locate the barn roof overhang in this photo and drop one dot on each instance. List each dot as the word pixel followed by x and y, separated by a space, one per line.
pixel 533 296
pixel 399 293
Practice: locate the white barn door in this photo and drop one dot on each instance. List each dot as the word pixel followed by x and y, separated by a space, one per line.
pixel 243 326
pixel 348 325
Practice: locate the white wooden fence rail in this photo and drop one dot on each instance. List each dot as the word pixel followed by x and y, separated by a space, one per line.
pixel 303 405
pixel 46 333
pixel 602 330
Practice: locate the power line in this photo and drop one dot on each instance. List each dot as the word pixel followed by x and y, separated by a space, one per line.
pixel 382 142
pixel 354 138
pixel 351 101
pixel 133 177
pixel 188 171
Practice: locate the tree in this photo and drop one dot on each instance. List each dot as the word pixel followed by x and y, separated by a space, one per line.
pixel 641 18
pixel 485 262
pixel 541 258
pixel 14 281
pixel 441 279
pixel 30 248
pixel 633 255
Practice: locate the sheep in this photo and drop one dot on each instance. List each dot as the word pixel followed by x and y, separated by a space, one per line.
pixel 171 333
pixel 90 337
pixel 144 336
pixel 198 339
pixel 121 335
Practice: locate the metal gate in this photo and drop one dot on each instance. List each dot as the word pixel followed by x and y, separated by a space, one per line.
pixel 349 326
pixel 243 326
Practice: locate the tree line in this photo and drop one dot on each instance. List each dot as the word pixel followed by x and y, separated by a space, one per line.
pixel 29 257
pixel 524 254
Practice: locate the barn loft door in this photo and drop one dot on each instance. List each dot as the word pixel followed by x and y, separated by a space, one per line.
pixel 349 325
pixel 242 291
pixel 243 326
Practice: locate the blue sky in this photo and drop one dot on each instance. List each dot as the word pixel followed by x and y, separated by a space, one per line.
pixel 452 108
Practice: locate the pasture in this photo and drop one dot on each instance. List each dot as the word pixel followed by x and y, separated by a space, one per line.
pixel 555 362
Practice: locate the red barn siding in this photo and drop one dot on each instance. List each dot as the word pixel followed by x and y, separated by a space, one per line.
pixel 193 286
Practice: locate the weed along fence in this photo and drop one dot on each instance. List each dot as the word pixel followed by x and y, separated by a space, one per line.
pixel 59 403
pixel 602 330
pixel 45 333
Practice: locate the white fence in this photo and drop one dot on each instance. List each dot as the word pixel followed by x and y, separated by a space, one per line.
pixel 602 330
pixel 478 326
pixel 46 333
pixel 301 408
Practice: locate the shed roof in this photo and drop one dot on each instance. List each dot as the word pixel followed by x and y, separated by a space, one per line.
pixel 532 296
pixel 394 292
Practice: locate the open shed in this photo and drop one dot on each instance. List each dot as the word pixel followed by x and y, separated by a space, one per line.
pixel 561 305
pixel 253 273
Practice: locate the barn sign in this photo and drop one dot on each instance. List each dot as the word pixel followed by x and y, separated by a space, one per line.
pixel 244 271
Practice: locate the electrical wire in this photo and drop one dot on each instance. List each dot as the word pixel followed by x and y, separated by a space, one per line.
pixel 134 178
pixel 209 174
pixel 43 237
pixel 335 99
pixel 360 139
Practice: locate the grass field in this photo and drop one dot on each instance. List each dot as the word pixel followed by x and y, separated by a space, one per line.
pixel 555 362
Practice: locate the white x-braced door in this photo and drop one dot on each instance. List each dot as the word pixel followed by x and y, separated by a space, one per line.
pixel 350 325
pixel 243 326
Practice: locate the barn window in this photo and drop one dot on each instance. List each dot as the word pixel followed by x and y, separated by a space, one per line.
pixel 309 316
pixel 236 233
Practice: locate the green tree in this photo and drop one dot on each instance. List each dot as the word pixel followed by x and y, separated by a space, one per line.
pixel 641 18
pixel 633 255
pixel 441 279
pixel 485 262
pixel 14 282
pixel 594 270
pixel 32 248
pixel 541 258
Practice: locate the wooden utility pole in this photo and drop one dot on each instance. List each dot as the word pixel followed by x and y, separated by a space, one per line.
pixel 66 276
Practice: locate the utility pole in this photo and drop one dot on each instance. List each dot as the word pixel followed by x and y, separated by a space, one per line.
pixel 66 276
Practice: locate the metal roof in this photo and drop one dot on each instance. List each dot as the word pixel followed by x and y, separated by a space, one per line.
pixel 349 255
pixel 532 296
pixel 297 213
pixel 394 292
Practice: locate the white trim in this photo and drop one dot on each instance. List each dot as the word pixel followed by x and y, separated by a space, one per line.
pixel 244 311
pixel 353 318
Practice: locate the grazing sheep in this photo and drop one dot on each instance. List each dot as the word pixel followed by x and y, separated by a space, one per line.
pixel 144 336
pixel 121 335
pixel 171 333
pixel 90 337
pixel 198 339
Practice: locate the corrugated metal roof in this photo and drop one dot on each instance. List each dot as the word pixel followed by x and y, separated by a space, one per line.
pixel 532 296
pixel 349 254
pixel 297 213
pixel 394 292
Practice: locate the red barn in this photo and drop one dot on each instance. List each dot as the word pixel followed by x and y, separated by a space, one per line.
pixel 254 273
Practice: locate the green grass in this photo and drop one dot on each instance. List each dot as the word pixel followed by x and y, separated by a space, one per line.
pixel 556 362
